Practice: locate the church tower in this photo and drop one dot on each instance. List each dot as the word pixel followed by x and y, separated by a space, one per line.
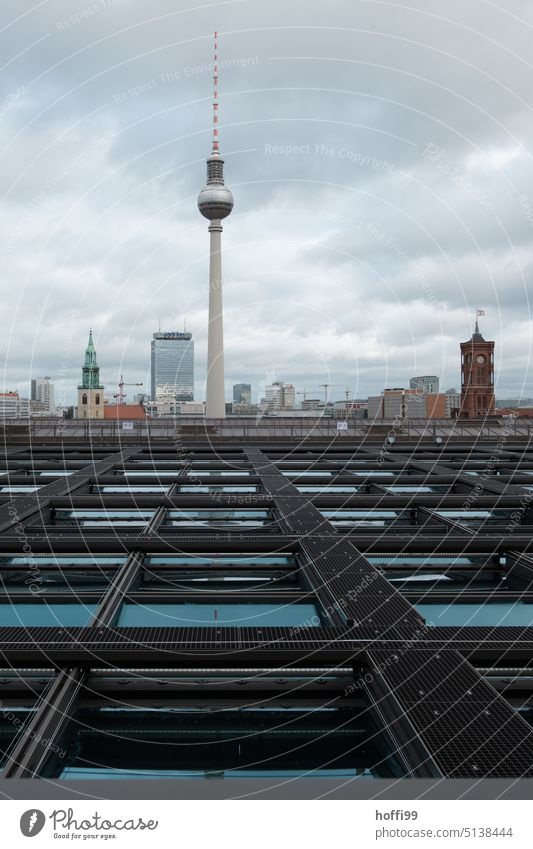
pixel 477 377
pixel 90 391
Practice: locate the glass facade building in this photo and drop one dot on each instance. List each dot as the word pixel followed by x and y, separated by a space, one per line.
pixel 267 610
pixel 172 366
pixel 242 393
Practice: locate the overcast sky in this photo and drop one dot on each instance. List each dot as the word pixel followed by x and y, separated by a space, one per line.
pixel 380 160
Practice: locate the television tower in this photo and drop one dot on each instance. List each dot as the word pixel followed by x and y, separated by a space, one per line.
pixel 215 202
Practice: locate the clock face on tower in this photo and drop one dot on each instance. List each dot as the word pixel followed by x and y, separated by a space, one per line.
pixel 480 359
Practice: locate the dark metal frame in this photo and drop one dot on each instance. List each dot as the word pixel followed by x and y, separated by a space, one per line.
pixel 444 719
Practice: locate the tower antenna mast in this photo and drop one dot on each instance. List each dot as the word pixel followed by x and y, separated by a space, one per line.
pixel 215 148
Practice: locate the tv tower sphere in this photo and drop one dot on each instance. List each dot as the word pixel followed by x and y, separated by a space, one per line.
pixel 215 201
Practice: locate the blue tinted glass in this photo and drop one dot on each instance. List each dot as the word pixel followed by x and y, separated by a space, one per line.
pixel 408 560
pixel 494 614
pixel 65 560
pixel 100 518
pixel 417 578
pixel 373 474
pixel 212 615
pixel 218 514
pixel 217 518
pixel 156 473
pixel 17 489
pixel 219 488
pixel 220 473
pixel 361 518
pixel 300 474
pixel 360 514
pixel 134 488
pixel 45 615
pixel 327 488
pixel 415 489
pixel 82 774
pixel 215 560
pixel 464 514
pixel 108 514
pixel 214 742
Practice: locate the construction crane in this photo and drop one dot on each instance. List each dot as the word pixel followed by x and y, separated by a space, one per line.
pixel 326 386
pixel 120 394
pixel 304 393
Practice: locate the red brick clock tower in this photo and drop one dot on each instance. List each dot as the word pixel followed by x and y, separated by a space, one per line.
pixel 477 377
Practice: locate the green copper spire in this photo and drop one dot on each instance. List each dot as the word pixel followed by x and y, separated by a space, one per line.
pixel 90 373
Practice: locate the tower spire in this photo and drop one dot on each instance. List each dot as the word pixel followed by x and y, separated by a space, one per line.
pixel 90 390
pixel 477 334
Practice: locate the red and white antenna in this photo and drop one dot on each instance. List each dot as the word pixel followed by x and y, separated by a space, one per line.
pixel 216 150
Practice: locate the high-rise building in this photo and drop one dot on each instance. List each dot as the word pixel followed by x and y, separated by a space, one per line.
pixel 428 383
pixel 400 404
pixel 215 202
pixel 477 376
pixel 289 396
pixel 453 402
pixel 42 392
pixel 90 391
pixel 242 394
pixel 12 406
pixel 280 396
pixel 172 366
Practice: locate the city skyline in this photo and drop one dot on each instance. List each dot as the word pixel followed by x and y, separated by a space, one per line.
pixel 331 270
pixel 184 363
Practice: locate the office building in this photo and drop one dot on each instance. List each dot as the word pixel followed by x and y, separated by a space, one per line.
pixel 42 392
pixel 172 366
pixel 242 394
pixel 452 402
pixel 399 404
pixel 12 406
pixel 428 383
pixel 356 408
pixel 312 404
pixel 280 396
pixel 356 620
pixel 164 407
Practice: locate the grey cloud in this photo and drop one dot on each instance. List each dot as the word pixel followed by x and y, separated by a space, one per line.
pixel 361 255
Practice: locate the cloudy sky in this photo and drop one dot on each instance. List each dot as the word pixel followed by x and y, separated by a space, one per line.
pixel 380 160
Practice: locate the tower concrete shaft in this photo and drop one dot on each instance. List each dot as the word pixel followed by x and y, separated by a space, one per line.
pixel 215 400
pixel 215 202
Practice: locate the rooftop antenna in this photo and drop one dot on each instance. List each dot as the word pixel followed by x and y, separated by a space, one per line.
pixel 160 325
